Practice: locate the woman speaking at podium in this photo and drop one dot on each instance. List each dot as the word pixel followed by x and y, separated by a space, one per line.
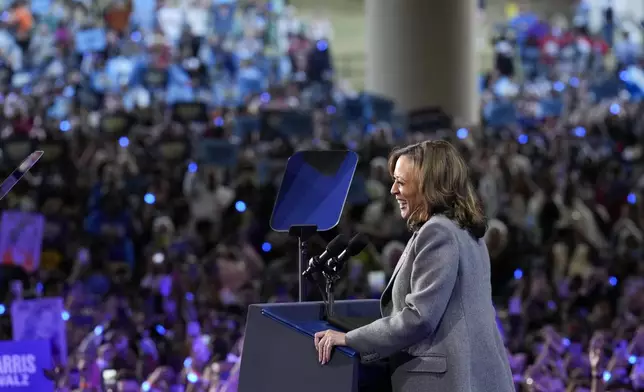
pixel 438 325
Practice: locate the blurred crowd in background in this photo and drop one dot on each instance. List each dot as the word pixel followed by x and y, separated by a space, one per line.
pixel 166 129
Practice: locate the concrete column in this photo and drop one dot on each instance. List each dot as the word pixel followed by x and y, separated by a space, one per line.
pixel 423 53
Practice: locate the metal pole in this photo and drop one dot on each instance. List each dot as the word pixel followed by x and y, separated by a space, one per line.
pixel 329 296
pixel 301 292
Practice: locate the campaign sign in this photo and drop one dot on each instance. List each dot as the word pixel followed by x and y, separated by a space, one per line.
pixel 16 148
pixel 155 78
pixel 40 319
pixel 91 40
pixel 21 239
pixel 218 152
pixel 377 107
pixel 605 89
pixel 551 107
pixel 5 75
pixel 40 7
pixel 245 125
pixel 429 119
pixel 89 99
pixel 633 78
pixel 53 150
pixel 188 112
pixel 117 124
pixel 173 150
pixel 286 123
pixel 23 365
pixel 500 114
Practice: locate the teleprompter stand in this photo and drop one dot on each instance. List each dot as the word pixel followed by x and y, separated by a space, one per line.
pixel 303 233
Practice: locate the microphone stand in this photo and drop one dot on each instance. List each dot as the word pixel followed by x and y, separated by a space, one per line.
pixel 344 323
pixel 331 279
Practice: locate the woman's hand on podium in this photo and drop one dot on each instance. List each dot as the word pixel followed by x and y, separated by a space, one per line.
pixel 325 341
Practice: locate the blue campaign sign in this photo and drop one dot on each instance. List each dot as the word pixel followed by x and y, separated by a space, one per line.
pixel 551 107
pixel 500 114
pixel 218 152
pixel 23 365
pixel 40 7
pixel 633 78
pixel 91 40
pixel 605 89
pixel 143 13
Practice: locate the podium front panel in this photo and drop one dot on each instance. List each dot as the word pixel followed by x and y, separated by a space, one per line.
pixel 281 356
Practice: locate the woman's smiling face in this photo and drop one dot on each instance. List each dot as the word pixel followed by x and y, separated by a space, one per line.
pixel 406 189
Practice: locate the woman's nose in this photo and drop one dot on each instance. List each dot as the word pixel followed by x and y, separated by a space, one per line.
pixel 394 189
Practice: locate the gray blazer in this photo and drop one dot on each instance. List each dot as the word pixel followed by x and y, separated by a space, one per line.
pixel 438 324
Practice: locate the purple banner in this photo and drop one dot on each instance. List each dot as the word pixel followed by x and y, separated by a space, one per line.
pixel 23 365
pixel 41 319
pixel 21 239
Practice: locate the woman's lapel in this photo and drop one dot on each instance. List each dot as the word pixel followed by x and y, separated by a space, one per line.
pixel 401 261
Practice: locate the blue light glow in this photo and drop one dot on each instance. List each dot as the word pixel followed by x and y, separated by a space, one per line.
pixel 98 330
pixel 149 198
pixel 266 247
pixel 65 126
pixel 522 139
pixel 192 167
pixel 518 274
pixel 322 45
pixel 559 86
pixel 462 133
pixel 240 206
pixel 124 141
pixel 580 131
pixel 136 36
pixel 187 362
pixel 612 281
pixel 632 198
pixel 64 315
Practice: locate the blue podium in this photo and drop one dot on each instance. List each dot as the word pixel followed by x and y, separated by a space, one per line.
pixel 279 354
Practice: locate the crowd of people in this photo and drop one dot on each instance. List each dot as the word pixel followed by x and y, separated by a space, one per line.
pixel 165 133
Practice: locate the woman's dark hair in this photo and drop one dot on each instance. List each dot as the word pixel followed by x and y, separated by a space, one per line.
pixel 443 178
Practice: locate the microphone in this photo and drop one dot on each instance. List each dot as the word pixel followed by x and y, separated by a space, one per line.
pixel 355 246
pixel 333 249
